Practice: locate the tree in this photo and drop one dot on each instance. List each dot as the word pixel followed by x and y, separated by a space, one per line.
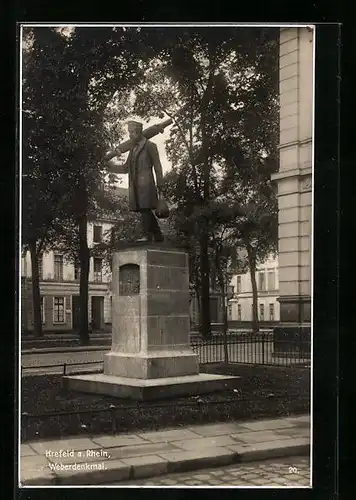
pixel 44 199
pixel 257 234
pixel 220 89
pixel 41 227
pixel 83 69
pixel 226 263
pixel 220 121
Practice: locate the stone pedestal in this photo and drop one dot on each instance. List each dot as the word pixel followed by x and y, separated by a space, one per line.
pixel 150 354
pixel 150 315
pixel 295 184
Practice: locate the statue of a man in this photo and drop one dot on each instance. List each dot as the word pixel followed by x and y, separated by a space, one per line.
pixel 143 191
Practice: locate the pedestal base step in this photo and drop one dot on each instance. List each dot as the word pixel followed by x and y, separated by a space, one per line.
pixel 143 390
pixel 153 365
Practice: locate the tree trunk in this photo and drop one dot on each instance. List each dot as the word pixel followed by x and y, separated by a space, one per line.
pixel 198 299
pixel 222 285
pixel 225 316
pixel 36 294
pixel 225 329
pixel 84 256
pixel 204 240
pixel 204 260
pixel 252 265
pixel 205 286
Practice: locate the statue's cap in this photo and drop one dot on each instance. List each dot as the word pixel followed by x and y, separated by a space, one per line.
pixel 133 123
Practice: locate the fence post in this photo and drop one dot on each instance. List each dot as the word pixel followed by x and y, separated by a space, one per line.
pixel 263 348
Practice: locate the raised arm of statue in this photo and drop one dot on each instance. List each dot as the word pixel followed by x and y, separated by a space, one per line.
pixel 114 167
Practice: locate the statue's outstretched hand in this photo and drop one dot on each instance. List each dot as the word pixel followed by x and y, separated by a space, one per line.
pixel 108 155
pixel 111 154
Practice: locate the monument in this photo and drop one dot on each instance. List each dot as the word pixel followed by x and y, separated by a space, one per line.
pixel 150 355
pixel 144 192
pixel 295 187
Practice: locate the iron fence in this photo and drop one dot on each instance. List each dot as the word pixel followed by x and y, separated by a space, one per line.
pixel 65 368
pixel 253 348
pixel 245 348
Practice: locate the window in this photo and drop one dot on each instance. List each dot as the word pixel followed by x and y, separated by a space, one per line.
pixel 238 284
pixel 213 281
pixel 98 269
pixel 58 310
pixel 23 266
pixel 261 282
pixel 77 270
pixel 98 234
pixel 239 312
pixel 40 267
pixel 58 267
pixel 271 312
pixel 271 277
pixel 214 315
pixel 262 312
pixel 229 311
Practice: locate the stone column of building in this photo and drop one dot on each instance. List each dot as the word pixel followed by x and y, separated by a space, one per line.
pixel 295 180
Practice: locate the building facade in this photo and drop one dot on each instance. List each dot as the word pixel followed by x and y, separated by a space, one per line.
pixel 294 178
pixel 216 311
pixel 240 305
pixel 59 287
pixel 267 280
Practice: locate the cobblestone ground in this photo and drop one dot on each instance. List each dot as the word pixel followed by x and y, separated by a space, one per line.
pixel 291 472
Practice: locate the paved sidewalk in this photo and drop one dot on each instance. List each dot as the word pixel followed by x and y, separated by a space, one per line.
pixel 40 363
pixel 292 472
pixel 64 349
pixel 108 459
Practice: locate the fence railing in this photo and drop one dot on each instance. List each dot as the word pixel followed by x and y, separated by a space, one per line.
pixel 257 349
pixel 65 367
pixel 253 348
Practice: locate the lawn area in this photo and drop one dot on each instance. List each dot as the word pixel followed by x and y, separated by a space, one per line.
pixel 265 392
